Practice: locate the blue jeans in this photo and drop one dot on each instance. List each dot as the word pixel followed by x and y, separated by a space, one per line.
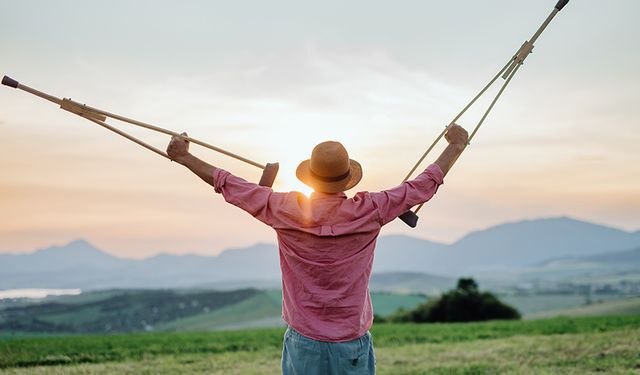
pixel 302 355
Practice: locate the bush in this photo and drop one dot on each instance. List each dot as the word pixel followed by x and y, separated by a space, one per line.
pixel 463 304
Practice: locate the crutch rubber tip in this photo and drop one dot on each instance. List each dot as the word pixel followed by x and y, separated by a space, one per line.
pixel 269 174
pixel 8 81
pixel 561 4
pixel 410 218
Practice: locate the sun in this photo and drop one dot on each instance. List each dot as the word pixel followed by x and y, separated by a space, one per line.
pixel 287 181
pixel 290 183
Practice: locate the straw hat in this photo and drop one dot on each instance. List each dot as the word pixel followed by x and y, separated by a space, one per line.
pixel 329 170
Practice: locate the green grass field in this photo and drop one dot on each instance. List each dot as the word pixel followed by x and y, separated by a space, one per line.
pixel 553 346
pixel 627 306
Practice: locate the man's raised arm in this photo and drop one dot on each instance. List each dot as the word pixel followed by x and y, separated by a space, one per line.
pixel 255 199
pixel 394 202
pixel 178 151
pixel 457 138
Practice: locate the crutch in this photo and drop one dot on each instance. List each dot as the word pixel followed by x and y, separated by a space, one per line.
pixel 507 73
pixel 98 116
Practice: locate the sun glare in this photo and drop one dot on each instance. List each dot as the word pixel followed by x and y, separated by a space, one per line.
pixel 290 183
pixel 287 180
pixel 297 144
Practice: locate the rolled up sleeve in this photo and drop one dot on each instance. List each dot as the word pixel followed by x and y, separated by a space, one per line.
pixel 255 199
pixel 394 202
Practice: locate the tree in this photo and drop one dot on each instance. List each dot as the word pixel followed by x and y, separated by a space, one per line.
pixel 468 285
pixel 465 303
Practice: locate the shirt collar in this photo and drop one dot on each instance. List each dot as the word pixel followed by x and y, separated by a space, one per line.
pixel 321 195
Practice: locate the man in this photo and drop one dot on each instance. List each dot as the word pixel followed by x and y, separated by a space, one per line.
pixel 326 244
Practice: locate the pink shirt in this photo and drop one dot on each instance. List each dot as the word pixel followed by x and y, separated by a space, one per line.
pixel 326 246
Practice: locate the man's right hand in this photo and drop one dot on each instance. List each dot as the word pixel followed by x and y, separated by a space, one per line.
pixel 456 135
pixel 178 151
pixel 178 148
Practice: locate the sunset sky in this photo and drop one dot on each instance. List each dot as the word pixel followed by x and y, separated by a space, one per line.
pixel 269 80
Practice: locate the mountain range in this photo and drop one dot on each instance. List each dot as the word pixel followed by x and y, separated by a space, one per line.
pixel 506 247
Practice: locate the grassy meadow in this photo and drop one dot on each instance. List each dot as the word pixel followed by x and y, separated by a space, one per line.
pixel 553 346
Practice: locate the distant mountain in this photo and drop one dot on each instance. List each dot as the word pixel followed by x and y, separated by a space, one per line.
pixel 78 253
pixel 527 242
pixel 404 253
pixel 505 246
pixel 496 250
pixel 81 265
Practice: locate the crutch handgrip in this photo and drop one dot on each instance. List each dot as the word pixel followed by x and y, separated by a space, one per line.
pixel 8 81
pixel 269 174
pixel 410 218
pixel 561 4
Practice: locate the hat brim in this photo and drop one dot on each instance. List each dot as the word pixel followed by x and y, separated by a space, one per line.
pixel 304 174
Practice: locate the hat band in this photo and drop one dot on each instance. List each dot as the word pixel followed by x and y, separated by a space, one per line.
pixel 330 179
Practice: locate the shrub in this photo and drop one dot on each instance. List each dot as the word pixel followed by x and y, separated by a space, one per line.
pixel 465 303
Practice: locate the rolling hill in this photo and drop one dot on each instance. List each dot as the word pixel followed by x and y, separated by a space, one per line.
pixel 629 306
pixel 594 269
pixel 163 310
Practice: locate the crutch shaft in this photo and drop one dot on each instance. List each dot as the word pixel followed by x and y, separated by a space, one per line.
pixel 98 116
pixel 87 111
pixel 528 45
pixel 426 153
pixel 129 137
pixel 269 173
pixel 176 134
pixel 493 103
pixel 484 117
pixel 406 178
pixel 8 81
pixel 544 25
pixel 509 71
pixel 410 217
